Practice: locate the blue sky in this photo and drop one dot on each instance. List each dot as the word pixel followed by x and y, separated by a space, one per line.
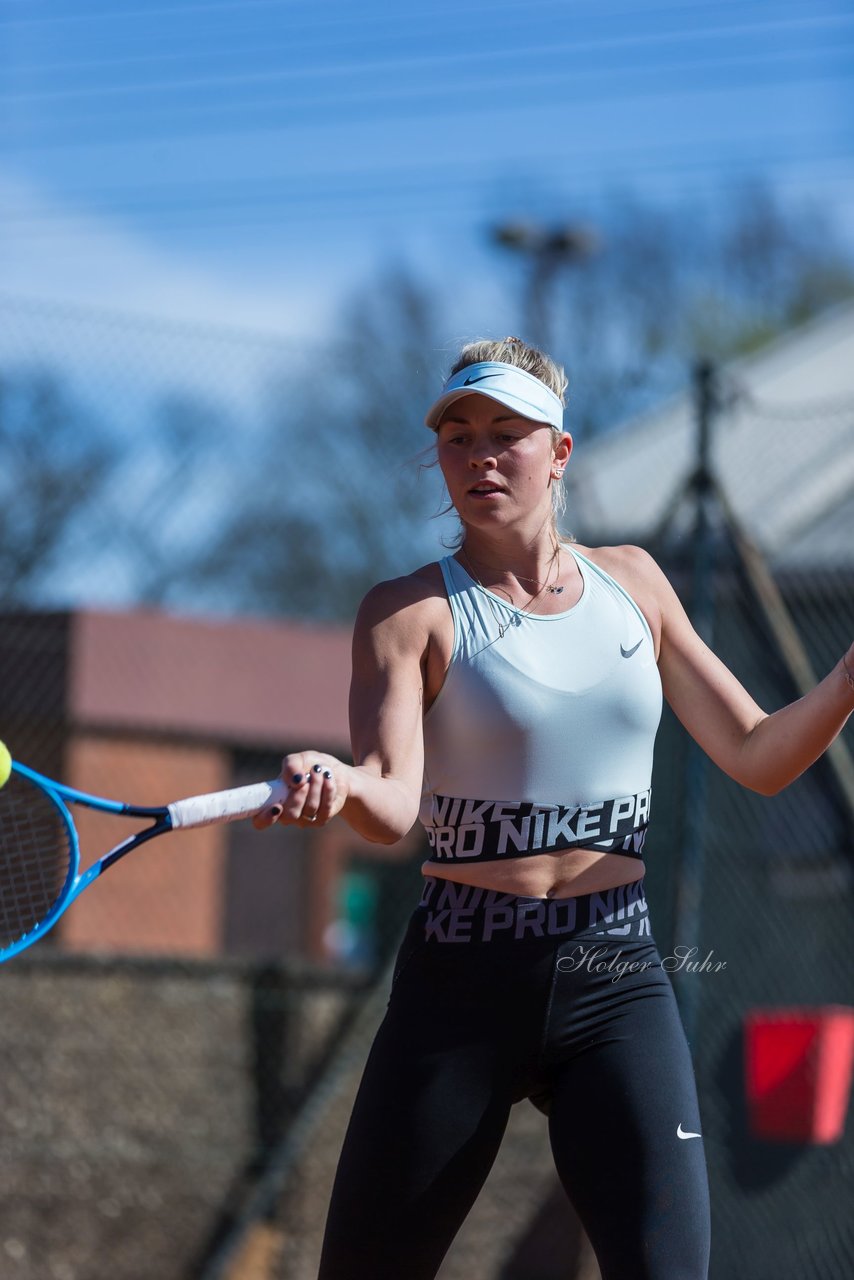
pixel 249 162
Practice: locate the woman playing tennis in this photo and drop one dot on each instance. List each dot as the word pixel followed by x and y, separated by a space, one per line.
pixel 508 697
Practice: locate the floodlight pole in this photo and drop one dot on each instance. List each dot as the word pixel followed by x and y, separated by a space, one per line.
pixel 548 250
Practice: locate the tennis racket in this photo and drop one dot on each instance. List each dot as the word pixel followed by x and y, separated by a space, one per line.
pixel 40 851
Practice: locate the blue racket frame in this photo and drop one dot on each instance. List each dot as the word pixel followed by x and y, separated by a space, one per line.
pixel 75 883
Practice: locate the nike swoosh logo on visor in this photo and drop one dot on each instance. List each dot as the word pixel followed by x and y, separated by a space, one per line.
pixel 680 1133
pixel 627 653
pixel 470 381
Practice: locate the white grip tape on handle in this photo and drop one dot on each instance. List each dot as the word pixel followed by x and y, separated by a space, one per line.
pixel 226 806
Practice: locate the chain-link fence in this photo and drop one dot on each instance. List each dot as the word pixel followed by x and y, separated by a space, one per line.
pixel 179 1058
pixel 755 900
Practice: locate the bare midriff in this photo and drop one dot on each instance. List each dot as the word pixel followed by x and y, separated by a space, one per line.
pixel 563 874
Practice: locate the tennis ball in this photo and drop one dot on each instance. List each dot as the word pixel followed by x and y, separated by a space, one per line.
pixel 5 764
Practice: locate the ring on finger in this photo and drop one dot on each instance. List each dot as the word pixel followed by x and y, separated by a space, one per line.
pixel 310 817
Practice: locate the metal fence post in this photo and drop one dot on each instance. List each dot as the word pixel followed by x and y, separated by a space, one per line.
pixel 689 890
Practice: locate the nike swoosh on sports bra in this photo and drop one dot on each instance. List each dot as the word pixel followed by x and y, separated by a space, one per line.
pixel 542 735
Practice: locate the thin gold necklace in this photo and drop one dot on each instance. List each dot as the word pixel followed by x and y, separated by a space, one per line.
pixel 520 612
pixel 555 589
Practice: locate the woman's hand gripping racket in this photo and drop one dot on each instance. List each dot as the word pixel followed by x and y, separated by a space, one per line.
pixel 40 852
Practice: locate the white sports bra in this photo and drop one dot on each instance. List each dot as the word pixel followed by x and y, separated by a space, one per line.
pixel 542 735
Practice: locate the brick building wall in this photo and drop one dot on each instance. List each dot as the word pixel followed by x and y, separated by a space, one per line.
pixel 148 707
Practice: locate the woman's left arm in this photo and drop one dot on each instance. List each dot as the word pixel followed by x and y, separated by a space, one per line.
pixel 760 751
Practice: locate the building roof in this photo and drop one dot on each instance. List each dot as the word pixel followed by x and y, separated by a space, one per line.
pixel 782 450
pixel 277 684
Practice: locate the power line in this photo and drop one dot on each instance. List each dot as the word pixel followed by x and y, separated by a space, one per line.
pixel 96 15
pixel 364 106
pixel 561 86
pixel 454 9
pixel 416 177
pixel 468 18
pixel 449 59
pixel 378 206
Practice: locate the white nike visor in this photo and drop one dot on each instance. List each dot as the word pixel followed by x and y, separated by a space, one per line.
pixel 518 390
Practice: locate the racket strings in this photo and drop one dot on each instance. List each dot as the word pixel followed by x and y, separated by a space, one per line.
pixel 35 858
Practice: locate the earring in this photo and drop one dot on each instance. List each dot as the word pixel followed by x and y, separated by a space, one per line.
pixel 557 473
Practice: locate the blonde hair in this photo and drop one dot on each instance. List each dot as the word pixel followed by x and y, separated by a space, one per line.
pixel 516 352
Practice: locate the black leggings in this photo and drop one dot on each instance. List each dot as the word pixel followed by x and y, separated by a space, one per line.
pixel 495 999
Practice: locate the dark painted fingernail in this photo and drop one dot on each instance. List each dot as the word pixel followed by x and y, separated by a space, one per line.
pixel 318 768
pixel 276 812
pixel 297 777
pixel 327 773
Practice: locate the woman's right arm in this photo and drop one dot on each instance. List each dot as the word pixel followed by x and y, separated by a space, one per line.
pixel 379 794
pixel 386 705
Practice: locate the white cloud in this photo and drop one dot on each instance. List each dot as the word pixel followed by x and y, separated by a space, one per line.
pixel 52 252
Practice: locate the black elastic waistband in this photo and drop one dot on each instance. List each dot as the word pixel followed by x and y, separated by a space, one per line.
pixel 460 913
pixel 460 830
